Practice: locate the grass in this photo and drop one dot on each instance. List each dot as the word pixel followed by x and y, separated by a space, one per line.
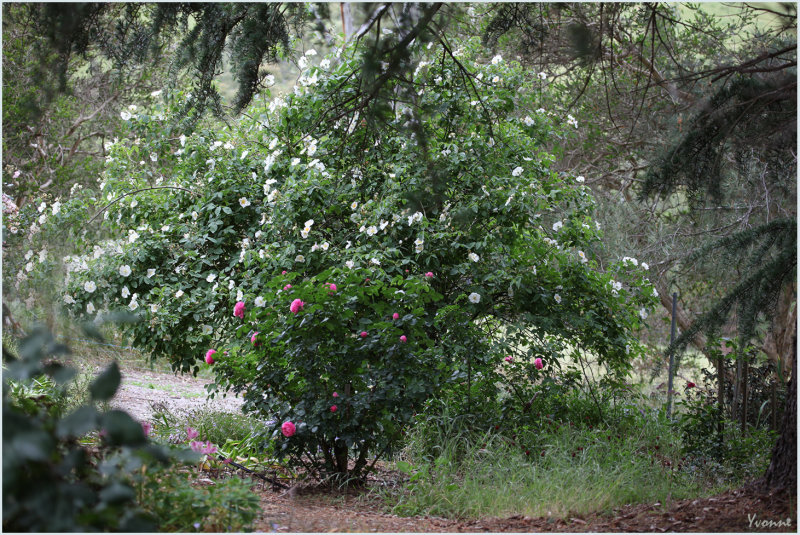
pixel 212 425
pixel 557 470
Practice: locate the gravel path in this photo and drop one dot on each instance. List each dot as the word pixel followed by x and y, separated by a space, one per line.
pixel 142 391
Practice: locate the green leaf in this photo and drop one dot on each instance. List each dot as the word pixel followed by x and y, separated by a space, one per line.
pixel 105 385
pixel 117 493
pixel 77 423
pixel 120 429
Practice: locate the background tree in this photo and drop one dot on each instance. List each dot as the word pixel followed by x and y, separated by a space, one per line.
pixel 722 100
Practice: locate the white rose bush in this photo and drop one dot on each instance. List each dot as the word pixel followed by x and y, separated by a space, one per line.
pixel 346 267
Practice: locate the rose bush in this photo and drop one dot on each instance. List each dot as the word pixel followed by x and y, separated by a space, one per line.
pixel 372 260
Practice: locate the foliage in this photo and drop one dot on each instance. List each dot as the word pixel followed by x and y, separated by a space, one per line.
pixel 215 426
pixel 275 210
pixel 195 37
pixel 180 505
pixel 551 469
pixel 717 445
pixel 47 467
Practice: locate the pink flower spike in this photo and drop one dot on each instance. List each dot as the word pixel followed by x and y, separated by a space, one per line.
pixel 403 339
pixel 363 334
pixel 296 305
pixel 509 358
pixel 287 287
pixel 238 309
pixel 210 356
pixel 395 316
pixel 191 433
pixel 196 445
pixel 335 395
pixel 209 448
pixel 429 274
pixel 288 429
pixel 334 408
pixel 147 428
pixel 538 363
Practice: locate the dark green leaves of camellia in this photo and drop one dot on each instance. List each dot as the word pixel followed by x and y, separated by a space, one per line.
pixel 106 384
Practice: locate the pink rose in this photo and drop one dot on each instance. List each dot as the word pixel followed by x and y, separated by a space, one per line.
pixel 509 358
pixel 332 286
pixel 253 338
pixel 403 339
pixel 429 274
pixel 287 287
pixel 288 429
pixel 363 334
pixel 296 305
pixel 283 272
pixel 210 356
pixel 538 363
pixel 395 316
pixel 335 395
pixel 191 433
pixel 238 309
pixel 334 408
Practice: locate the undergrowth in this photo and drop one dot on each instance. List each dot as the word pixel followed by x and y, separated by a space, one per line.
pixel 460 469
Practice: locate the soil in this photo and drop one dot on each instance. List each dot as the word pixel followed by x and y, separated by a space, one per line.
pixel 308 509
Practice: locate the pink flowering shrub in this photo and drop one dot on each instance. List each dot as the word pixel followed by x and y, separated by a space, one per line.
pixel 429 273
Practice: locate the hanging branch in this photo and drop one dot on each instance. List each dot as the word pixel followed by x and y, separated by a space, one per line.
pixel 104 208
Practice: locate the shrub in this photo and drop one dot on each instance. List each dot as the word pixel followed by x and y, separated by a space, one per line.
pixel 376 257
pixel 47 469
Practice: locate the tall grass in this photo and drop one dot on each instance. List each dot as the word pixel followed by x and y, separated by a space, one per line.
pixel 557 470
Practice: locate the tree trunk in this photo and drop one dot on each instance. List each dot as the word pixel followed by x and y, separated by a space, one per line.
pixel 347 20
pixel 782 471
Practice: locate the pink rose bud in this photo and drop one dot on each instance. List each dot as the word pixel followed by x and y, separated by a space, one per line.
pixel 238 309
pixel 296 305
pixel 690 384
pixel 403 339
pixel 538 363
pixel 363 334
pixel 335 395
pixel 333 408
pixel 509 358
pixel 288 429
pixel 395 316
pixel 429 274
pixel 210 356
pixel 283 272
pixel 287 287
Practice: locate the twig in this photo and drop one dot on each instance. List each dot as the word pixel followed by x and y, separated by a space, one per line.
pixel 252 472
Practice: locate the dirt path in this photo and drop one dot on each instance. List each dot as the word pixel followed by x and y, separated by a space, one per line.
pixel 143 391
pixel 307 511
